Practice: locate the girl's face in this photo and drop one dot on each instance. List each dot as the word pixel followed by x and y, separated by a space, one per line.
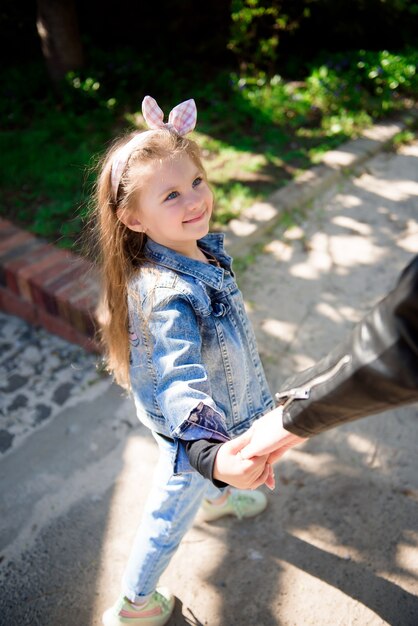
pixel 175 205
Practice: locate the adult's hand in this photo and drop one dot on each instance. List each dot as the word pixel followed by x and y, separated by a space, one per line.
pixel 268 436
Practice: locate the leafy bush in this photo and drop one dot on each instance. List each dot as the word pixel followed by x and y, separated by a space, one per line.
pixel 370 81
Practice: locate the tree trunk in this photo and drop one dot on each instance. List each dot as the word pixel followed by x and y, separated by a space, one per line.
pixel 58 30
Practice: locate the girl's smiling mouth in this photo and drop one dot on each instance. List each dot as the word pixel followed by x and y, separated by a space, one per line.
pixel 195 219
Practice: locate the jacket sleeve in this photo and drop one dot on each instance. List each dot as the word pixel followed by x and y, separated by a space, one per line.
pixel 373 370
pixel 183 390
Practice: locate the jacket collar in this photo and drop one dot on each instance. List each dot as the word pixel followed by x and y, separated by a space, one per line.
pixel 209 274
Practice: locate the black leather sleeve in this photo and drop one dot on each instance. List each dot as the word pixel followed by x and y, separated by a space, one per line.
pixel 373 370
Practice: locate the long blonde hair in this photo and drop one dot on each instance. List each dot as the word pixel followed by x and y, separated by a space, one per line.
pixel 119 250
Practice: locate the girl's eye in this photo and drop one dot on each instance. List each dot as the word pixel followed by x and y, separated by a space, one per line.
pixel 172 195
pixel 197 181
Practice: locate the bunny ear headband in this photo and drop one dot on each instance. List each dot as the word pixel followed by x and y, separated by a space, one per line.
pixel 182 120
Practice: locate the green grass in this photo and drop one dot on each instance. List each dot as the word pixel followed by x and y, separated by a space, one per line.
pixel 256 132
pixel 44 175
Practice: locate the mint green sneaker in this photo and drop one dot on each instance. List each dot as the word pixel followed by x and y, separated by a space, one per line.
pixel 240 502
pixel 156 612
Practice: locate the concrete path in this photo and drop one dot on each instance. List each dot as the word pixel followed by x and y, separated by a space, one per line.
pixel 338 545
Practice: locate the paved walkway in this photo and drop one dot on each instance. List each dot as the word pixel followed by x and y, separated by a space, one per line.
pixel 338 544
pixel 39 374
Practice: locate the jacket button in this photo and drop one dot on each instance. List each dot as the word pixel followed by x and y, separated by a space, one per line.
pixel 219 309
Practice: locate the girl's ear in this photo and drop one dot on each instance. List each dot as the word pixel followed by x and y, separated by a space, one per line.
pixel 129 220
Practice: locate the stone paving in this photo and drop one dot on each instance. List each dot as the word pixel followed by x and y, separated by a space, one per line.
pixel 40 375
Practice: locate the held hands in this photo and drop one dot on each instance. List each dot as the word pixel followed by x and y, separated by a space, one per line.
pixel 249 473
pixel 268 436
pixel 246 461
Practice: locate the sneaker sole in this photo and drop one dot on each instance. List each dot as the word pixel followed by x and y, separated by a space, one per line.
pixel 110 619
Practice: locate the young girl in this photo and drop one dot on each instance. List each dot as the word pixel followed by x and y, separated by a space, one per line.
pixel 177 336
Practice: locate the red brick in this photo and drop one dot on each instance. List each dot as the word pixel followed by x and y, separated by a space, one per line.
pixel 66 331
pixel 15 253
pixel 65 306
pixel 13 305
pixel 38 246
pixel 12 268
pixel 4 223
pixel 16 239
pixel 39 286
pixel 48 286
pixel 26 273
pixel 86 286
pixel 71 290
pixel 85 302
pixel 7 229
pixel 82 318
pixel 81 312
pixel 72 276
pixel 66 264
pixel 57 276
pixel 88 283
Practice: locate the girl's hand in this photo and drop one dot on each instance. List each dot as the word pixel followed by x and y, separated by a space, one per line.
pixel 268 436
pixel 242 473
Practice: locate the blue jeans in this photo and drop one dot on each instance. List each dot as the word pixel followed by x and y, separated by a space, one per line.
pixel 169 512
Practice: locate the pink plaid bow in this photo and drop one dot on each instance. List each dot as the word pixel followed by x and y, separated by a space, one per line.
pixel 182 118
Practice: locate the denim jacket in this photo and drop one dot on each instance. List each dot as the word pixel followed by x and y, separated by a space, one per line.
pixel 194 366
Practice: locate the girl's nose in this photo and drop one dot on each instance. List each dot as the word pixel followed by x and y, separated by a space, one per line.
pixel 191 200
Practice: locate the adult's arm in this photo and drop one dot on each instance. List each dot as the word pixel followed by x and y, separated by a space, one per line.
pixel 373 370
